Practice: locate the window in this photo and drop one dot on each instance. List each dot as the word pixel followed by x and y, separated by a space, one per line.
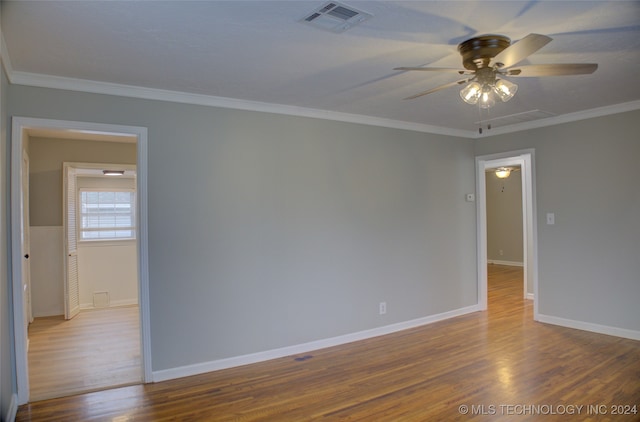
pixel 107 214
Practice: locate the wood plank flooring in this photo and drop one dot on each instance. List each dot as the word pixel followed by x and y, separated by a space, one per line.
pixel 95 350
pixel 494 362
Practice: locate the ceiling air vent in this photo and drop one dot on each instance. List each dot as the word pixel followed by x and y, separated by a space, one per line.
pixel 513 119
pixel 335 17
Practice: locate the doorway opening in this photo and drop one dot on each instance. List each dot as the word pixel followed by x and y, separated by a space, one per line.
pixel 522 160
pixel 89 135
pixel 505 222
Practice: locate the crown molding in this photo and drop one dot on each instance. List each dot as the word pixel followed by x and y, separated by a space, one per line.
pixel 4 56
pixel 564 118
pixel 107 88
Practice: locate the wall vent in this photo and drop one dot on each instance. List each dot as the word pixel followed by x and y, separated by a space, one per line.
pixel 101 299
pixel 335 17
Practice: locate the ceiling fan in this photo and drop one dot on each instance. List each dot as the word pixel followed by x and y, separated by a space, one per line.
pixel 488 59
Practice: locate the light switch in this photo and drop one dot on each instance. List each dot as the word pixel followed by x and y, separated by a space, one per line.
pixel 551 218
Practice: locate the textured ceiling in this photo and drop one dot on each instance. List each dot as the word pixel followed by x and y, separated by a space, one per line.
pixel 259 51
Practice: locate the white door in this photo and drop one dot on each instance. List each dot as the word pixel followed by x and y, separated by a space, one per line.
pixel 71 284
pixel 26 267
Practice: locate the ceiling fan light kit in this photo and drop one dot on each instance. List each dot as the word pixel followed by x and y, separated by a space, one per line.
pixel 489 59
pixel 475 93
pixel 470 94
pixel 505 89
pixel 503 172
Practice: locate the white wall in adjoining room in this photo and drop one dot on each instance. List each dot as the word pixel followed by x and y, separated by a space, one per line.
pixel 47 271
pixel 111 268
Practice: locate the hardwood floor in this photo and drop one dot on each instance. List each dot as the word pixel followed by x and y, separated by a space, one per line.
pixel 95 350
pixel 500 364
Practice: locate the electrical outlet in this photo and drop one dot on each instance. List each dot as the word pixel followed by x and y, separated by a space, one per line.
pixel 501 252
pixel 383 308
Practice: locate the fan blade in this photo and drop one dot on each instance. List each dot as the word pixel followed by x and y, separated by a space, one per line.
pixel 519 51
pixel 436 69
pixel 438 88
pixel 553 69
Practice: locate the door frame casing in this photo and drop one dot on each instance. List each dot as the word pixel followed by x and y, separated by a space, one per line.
pixel 524 158
pixel 27 235
pixel 20 128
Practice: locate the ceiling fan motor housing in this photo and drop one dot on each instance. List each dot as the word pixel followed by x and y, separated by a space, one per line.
pixel 477 52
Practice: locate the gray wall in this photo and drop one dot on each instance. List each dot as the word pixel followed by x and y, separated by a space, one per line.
pixel 587 173
pixel 273 230
pixel 7 372
pixel 267 231
pixel 45 171
pixel 504 218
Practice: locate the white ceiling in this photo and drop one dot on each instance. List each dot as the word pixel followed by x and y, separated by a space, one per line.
pixel 258 51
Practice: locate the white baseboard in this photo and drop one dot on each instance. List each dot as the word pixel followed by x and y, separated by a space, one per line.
pixel 588 326
pixel 529 296
pixel 127 302
pixel 12 411
pixel 112 304
pixel 509 263
pixel 200 368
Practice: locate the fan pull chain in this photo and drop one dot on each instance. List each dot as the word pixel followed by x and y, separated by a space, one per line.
pixel 480 120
